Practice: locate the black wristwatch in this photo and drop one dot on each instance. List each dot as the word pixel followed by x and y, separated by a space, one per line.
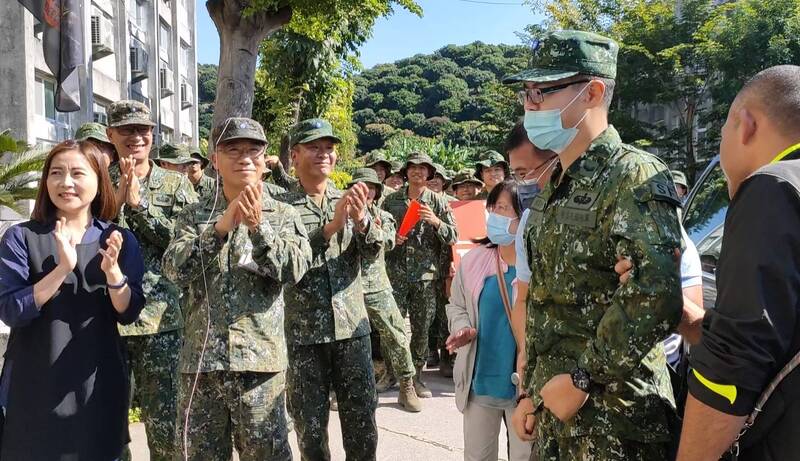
pixel 581 379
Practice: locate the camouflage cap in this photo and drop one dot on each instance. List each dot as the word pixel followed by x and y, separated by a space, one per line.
pixel 376 157
pixel 679 178
pixel 464 177
pixel 567 53
pixel 238 128
pixel 369 176
pixel 176 155
pixel 96 131
pixel 128 112
pixel 440 171
pixel 418 158
pixel 397 166
pixel 488 159
pixel 311 130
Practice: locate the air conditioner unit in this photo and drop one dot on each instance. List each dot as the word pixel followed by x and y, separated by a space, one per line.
pixel 167 82
pixel 187 95
pixel 139 59
pixel 102 37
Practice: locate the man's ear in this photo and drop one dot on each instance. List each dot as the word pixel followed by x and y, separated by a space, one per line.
pixel 595 93
pixel 747 126
pixel 214 161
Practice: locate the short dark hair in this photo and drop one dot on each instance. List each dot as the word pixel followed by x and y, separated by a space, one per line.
pixel 776 91
pixel 509 186
pixel 104 205
pixel 517 137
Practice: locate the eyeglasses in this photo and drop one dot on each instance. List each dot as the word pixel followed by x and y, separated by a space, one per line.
pixel 130 130
pixel 536 95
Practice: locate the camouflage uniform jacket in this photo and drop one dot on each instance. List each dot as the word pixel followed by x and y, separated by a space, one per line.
pixel 206 185
pixel 373 272
pixel 420 258
pixel 166 193
pixel 242 290
pixel 614 200
pixel 328 303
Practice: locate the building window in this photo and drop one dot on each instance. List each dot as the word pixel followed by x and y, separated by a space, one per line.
pixel 45 98
pixel 186 59
pixel 100 115
pixel 165 42
pixel 137 10
pixel 166 135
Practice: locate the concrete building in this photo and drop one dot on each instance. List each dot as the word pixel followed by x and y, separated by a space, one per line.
pixel 138 49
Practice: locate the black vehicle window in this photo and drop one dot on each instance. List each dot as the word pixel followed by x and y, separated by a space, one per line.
pixel 706 211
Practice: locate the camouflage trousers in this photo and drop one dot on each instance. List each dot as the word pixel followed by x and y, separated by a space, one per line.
pixel 418 299
pixel 314 371
pixel 153 360
pixel 230 409
pixel 439 330
pixel 386 320
pixel 593 448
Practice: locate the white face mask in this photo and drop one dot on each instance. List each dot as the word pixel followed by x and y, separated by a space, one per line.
pixel 546 130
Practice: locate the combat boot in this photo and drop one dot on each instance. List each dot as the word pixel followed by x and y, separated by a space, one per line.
pixel 386 383
pixel 422 390
pixel 408 396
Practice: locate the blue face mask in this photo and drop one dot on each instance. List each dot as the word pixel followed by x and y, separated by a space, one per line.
pixel 546 130
pixel 528 189
pixel 497 229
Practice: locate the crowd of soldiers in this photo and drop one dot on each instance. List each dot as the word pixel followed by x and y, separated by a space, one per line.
pixel 263 287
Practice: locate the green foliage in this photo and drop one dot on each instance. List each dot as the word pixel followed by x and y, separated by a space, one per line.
pixel 451 156
pixel 19 167
pixel 341 179
pixel 453 96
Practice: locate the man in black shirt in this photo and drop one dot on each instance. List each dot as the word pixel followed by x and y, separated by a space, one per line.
pixel 753 332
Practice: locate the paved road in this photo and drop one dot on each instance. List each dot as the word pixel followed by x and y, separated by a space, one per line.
pixel 432 435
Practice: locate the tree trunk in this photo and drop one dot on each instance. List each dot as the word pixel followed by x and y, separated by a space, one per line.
pixel 691 167
pixel 240 38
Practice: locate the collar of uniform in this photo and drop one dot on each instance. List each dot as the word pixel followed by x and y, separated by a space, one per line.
pixel 591 163
pixel 424 196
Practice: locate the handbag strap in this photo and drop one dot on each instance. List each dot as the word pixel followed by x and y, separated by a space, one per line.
pixel 501 282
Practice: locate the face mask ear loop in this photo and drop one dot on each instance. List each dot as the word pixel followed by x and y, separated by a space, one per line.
pixel 208 313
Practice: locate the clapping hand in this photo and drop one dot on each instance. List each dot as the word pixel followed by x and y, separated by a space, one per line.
pixel 249 202
pixel 65 243
pixel 110 262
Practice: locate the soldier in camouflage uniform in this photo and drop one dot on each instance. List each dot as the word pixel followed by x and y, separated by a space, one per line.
pixel 150 198
pixel 327 328
pixel 415 263
pixel 95 133
pixel 395 180
pixel 232 258
pixel 596 380
pixel 383 168
pixel 465 186
pixel 491 169
pixel 382 309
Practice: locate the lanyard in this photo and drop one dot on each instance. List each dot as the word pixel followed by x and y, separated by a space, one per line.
pixel 785 153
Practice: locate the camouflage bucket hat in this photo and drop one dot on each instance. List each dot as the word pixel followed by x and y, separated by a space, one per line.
pixel 128 112
pixel 464 177
pixel 199 155
pixel 397 167
pixel 440 171
pixel 238 128
pixel 96 131
pixel 311 130
pixel 377 158
pixel 679 178
pixel 489 159
pixel 567 53
pixel 176 155
pixel 418 158
pixel 369 176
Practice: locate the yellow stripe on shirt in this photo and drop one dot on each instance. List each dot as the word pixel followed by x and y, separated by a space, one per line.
pixel 726 390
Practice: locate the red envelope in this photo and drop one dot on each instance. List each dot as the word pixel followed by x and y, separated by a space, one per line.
pixel 410 219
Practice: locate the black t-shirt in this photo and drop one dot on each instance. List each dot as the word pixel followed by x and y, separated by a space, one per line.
pixel 747 338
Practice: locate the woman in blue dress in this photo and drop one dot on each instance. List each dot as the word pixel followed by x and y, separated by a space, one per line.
pixel 67 278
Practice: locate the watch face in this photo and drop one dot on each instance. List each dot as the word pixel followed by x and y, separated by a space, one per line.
pixel 580 378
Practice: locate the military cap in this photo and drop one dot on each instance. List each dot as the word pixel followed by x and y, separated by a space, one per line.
pixel 377 158
pixel 397 166
pixel 464 177
pixel 235 128
pixel 679 178
pixel 567 53
pixel 418 158
pixel 489 159
pixel 311 130
pixel 128 112
pixel 96 131
pixel 176 155
pixel 439 170
pixel 199 155
pixel 369 176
